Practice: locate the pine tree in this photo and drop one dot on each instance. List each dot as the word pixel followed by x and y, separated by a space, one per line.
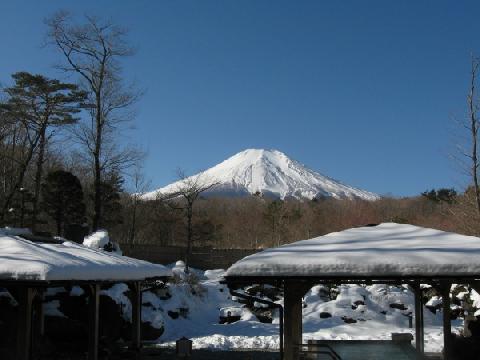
pixel 63 199
pixel 111 207
pixel 40 104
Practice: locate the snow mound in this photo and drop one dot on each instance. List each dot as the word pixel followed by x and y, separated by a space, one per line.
pixel 97 240
pixel 269 172
pixel 215 274
pixel 100 240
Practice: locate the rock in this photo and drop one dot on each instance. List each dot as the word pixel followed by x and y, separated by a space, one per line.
pixel 264 315
pixel 110 319
pixel 173 314
pixel 163 293
pixel 150 333
pixel 348 320
pixel 229 319
pixel 324 293
pixel 398 306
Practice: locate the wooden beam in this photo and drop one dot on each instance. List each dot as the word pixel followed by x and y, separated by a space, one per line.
pixel 136 291
pixel 419 325
pixel 447 326
pixel 293 326
pixel 93 321
pixel 25 296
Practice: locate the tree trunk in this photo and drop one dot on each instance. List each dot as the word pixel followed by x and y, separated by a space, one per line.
pixel 38 176
pixel 20 178
pixel 474 132
pixel 189 236
pixel 97 216
pixel 134 220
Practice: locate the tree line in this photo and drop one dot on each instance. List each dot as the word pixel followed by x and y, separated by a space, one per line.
pixel 258 222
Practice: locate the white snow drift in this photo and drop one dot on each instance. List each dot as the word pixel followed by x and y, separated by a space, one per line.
pixel 271 173
pixel 370 306
pixel 388 249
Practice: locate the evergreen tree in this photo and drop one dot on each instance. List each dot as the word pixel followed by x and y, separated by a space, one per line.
pixel 443 194
pixel 63 199
pixel 111 207
pixel 40 104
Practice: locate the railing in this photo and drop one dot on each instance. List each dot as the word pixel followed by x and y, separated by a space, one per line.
pixel 313 350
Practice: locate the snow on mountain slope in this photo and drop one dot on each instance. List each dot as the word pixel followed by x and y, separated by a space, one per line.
pixel 271 173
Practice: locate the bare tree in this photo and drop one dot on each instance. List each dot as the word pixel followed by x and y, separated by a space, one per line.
pixel 473 128
pixel 140 186
pixel 92 50
pixel 187 192
pixel 467 211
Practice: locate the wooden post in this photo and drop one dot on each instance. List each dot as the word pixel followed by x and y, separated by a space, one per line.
pixel 136 290
pixel 447 327
pixel 93 322
pixel 41 315
pixel 419 326
pixel 24 326
pixel 293 293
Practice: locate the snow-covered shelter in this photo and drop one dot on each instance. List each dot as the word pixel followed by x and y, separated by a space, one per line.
pixel 29 265
pixel 386 253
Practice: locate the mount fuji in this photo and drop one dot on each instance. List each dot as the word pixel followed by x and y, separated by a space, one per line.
pixel 270 173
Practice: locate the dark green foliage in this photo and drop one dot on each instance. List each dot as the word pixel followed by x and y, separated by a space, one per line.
pixel 110 191
pixel 34 106
pixel 21 209
pixel 39 99
pixel 63 199
pixel 441 195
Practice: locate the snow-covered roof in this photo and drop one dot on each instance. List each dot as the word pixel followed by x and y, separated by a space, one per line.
pixel 384 250
pixel 22 259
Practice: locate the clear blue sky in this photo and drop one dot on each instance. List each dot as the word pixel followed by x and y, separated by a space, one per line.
pixel 363 91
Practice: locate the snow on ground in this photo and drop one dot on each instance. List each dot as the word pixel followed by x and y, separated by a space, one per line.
pixel 369 306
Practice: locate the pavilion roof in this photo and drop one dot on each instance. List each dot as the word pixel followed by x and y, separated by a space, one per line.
pixel 22 259
pixel 370 252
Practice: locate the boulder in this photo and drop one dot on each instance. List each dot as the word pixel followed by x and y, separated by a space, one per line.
pixel 398 306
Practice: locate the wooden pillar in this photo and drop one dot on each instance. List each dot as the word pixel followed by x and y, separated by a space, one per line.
pixel 40 315
pixel 293 294
pixel 24 325
pixel 93 321
pixel 447 326
pixel 136 290
pixel 419 325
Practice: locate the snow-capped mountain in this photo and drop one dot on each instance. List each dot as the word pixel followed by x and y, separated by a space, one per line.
pixel 271 173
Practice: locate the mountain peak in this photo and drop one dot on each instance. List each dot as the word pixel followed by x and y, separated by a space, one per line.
pixel 273 174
